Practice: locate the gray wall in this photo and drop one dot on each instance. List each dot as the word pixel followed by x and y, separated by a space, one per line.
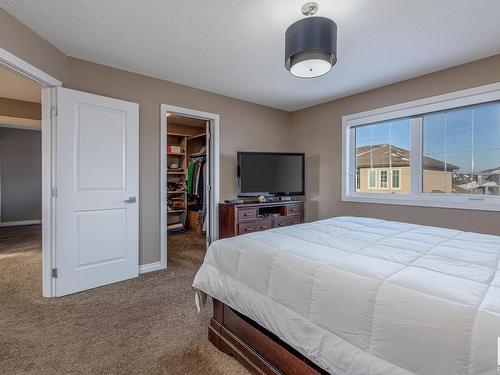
pixel 20 174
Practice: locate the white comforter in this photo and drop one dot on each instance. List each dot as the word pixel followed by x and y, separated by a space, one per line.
pixel 367 296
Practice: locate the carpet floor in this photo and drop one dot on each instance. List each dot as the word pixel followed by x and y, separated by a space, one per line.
pixel 147 325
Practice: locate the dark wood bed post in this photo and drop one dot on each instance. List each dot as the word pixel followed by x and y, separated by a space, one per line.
pixel 256 348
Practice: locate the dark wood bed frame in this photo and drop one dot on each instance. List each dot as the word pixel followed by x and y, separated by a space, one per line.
pixel 255 347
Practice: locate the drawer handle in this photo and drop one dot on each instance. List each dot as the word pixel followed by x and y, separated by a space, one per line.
pixel 281 224
pixel 293 209
pixel 248 229
pixel 247 214
pixel 264 227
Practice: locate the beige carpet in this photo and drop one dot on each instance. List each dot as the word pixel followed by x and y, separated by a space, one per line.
pixel 147 325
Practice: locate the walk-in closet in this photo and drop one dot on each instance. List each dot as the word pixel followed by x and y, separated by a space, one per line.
pixel 187 176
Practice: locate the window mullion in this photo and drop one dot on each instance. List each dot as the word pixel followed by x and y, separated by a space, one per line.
pixel 352 161
pixel 416 156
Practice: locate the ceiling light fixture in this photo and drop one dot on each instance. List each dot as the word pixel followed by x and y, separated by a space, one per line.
pixel 311 44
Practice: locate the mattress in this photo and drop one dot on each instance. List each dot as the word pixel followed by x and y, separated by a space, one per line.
pixel 367 296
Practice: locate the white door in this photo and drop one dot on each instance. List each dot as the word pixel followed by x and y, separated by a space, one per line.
pixel 97 180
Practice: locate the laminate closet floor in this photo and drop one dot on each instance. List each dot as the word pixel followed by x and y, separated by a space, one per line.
pixel 148 325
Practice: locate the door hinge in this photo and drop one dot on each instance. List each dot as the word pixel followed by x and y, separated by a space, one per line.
pixel 208 135
pixel 53 111
pixel 54 192
pixel 54 273
pixel 209 188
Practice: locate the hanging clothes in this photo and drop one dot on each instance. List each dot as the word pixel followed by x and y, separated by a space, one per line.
pixel 191 170
pixel 195 185
pixel 197 179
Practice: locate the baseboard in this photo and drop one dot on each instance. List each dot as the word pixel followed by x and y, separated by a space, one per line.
pixel 23 222
pixel 150 267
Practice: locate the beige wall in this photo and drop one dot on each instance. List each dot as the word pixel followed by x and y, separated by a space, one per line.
pixel 317 131
pixel 437 181
pixel 25 44
pixel 244 126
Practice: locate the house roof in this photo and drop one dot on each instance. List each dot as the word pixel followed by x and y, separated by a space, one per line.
pixel 377 156
pixel 491 171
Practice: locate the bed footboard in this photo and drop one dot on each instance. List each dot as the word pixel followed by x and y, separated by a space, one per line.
pixel 256 348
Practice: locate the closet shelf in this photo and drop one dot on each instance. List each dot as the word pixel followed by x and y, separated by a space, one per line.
pixel 175 211
pixel 197 154
pixel 197 136
pixel 178 173
pixel 176 153
pixel 177 192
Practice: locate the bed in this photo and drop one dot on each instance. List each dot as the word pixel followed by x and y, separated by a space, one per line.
pixel 352 295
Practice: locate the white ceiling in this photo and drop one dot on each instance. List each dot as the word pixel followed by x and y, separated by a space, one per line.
pixel 14 86
pixel 236 47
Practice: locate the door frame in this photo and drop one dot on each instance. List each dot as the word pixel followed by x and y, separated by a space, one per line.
pixel 47 82
pixel 214 120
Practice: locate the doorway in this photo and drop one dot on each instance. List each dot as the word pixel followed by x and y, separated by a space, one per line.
pixel 20 180
pixel 188 182
pixel 90 184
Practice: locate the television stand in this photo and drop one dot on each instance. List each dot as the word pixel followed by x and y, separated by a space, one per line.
pixel 237 219
pixel 279 198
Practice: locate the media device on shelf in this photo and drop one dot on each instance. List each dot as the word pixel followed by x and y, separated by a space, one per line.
pixel 275 175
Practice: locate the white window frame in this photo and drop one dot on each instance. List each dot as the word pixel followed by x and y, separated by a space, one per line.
pixel 472 96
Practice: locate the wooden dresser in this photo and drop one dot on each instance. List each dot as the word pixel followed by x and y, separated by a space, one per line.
pixel 236 219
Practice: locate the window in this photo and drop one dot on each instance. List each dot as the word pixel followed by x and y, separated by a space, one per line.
pixel 467 143
pixel 442 151
pixel 383 179
pixel 373 179
pixel 379 148
pixel 395 179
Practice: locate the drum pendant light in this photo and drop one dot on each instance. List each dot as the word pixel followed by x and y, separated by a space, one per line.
pixel 311 45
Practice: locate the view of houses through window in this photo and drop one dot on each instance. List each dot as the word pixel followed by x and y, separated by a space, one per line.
pixel 460 153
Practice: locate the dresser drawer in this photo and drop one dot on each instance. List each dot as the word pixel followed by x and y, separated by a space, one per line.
pixel 255 226
pixel 247 213
pixel 265 224
pixel 282 221
pixel 293 209
pixel 250 227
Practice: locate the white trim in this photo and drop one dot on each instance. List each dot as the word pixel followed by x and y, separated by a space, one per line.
pixel 49 98
pixel 26 69
pixel 21 222
pixel 150 267
pixel 214 175
pixel 48 145
pixel 476 95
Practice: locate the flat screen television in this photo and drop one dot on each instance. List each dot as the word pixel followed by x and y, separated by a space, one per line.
pixel 270 173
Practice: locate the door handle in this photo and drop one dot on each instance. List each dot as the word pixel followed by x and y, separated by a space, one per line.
pixel 130 200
